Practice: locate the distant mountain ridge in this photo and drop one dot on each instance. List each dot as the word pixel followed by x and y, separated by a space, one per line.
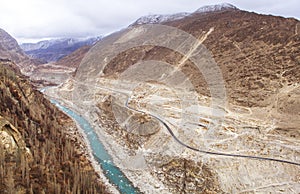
pixel 55 49
pixel 217 7
pixel 159 18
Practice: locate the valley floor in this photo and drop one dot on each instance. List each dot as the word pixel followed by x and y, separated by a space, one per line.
pixel 150 151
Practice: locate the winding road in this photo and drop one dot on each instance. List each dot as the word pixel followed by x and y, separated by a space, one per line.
pixel 193 148
pixel 203 151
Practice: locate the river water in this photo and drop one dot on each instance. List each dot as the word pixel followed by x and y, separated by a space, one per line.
pixel 113 173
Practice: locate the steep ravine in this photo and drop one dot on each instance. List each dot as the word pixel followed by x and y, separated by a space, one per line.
pixel 43 152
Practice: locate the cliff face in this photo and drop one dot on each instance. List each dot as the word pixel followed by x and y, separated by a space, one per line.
pixel 40 151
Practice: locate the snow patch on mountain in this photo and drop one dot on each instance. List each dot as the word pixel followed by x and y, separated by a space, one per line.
pixel 157 18
pixel 62 41
pixel 55 49
pixel 213 8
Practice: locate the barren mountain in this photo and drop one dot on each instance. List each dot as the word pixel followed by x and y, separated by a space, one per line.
pixel 258 56
pixel 9 49
pixel 258 49
pixel 165 118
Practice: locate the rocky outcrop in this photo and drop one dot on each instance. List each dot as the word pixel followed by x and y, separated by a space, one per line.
pixel 184 176
pixel 12 142
pixel 133 132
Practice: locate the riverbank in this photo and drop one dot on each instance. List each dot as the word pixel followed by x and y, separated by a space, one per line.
pixel 139 175
pixel 87 150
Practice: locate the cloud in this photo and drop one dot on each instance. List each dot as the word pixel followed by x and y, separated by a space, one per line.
pixel 76 18
pixel 276 7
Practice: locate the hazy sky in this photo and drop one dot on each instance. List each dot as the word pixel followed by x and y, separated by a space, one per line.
pixel 37 19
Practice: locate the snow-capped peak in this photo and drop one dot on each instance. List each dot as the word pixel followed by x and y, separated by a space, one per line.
pixel 157 18
pixel 218 7
pixel 45 44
